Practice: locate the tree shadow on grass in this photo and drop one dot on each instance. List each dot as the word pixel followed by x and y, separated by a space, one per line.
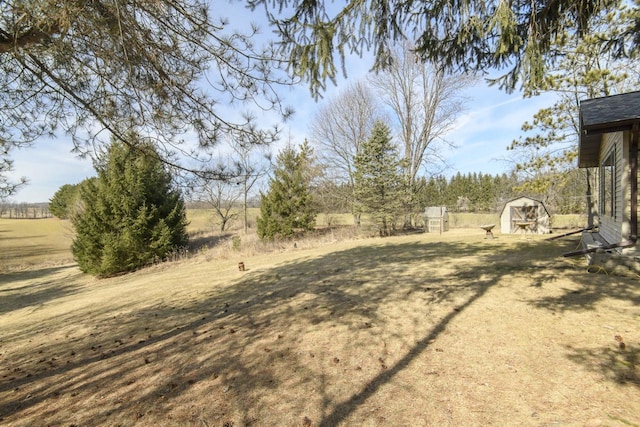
pixel 342 410
pixel 31 257
pixel 18 289
pixel 590 289
pixel 586 292
pixel 23 237
pixel 21 252
pixel 621 366
pixel 241 343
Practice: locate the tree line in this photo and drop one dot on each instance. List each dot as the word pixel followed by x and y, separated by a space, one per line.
pixel 478 192
pixel 133 212
pixel 24 210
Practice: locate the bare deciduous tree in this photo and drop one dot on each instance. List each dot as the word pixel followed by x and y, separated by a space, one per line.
pixel 221 196
pixel 338 130
pixel 424 102
pixel 242 164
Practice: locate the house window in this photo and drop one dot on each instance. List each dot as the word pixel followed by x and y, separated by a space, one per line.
pixel 608 186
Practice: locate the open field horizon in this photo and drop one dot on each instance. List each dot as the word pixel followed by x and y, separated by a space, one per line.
pixel 46 242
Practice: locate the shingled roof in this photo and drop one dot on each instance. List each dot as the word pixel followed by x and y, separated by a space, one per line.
pixel 603 115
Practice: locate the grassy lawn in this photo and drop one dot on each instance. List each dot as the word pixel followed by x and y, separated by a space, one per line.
pixel 426 329
pixel 29 242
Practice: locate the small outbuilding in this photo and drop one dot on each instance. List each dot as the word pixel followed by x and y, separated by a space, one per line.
pixel 525 215
pixel 436 219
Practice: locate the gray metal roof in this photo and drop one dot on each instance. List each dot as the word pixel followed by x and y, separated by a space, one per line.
pixel 603 115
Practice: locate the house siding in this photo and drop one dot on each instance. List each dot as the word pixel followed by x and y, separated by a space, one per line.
pixel 611 227
pixel 617 229
pixel 626 191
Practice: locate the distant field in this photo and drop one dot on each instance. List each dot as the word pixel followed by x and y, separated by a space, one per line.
pixel 46 242
pixel 30 242
pixel 206 219
pixel 202 220
pixel 457 220
pixel 462 219
pixel 568 221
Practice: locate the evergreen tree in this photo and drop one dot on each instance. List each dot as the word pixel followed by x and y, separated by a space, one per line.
pixel 424 193
pixel 380 186
pixel 470 35
pixel 455 189
pixel 62 202
pixel 424 103
pixel 443 189
pixel 504 190
pixel 487 193
pixel 131 215
pixel 432 193
pixel 288 205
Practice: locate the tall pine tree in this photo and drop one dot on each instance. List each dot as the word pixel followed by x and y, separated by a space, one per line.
pixel 380 186
pixel 131 214
pixel 288 205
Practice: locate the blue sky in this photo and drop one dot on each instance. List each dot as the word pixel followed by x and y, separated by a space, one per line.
pixel 492 120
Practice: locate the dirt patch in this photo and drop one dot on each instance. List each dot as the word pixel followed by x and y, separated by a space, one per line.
pixel 425 329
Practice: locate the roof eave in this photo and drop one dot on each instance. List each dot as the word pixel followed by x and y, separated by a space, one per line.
pixel 618 126
pixel 589 151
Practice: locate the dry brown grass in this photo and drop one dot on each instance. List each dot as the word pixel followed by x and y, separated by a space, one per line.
pixel 25 243
pixel 404 331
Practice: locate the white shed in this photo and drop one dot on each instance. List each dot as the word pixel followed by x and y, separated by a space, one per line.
pixel 436 219
pixel 525 215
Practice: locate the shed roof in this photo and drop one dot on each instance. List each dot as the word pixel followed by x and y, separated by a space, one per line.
pixel 603 115
pixel 435 211
pixel 521 199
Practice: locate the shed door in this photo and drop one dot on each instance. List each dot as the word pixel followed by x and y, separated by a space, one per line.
pixel 522 213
